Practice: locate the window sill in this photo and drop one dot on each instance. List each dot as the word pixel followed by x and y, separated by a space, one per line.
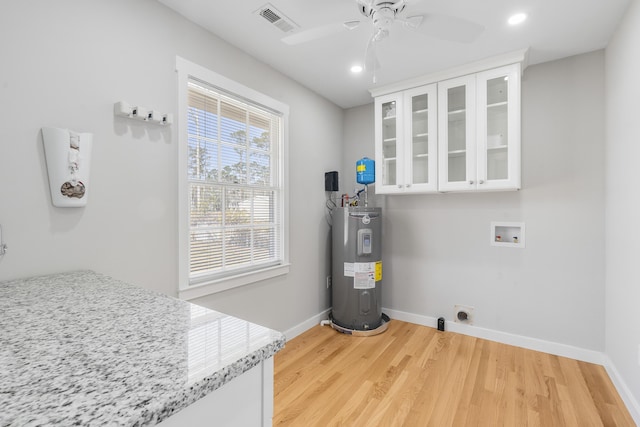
pixel 224 284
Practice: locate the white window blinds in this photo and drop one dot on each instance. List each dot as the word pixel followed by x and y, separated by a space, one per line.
pixel 235 190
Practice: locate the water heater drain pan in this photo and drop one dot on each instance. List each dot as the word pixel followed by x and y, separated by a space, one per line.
pixel 363 333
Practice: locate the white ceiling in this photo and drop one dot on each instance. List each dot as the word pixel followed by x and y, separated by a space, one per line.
pixel 554 29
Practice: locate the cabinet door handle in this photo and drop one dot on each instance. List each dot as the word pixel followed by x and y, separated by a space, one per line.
pixel 399 186
pixel 408 185
pixel 481 181
pixel 470 182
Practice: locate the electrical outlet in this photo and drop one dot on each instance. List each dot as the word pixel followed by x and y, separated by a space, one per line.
pixel 463 314
pixel 329 282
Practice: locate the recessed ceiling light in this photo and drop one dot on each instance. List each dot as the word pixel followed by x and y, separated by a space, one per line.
pixel 355 69
pixel 518 18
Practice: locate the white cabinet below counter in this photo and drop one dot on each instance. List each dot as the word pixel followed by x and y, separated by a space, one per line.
pixel 247 400
pixel 457 131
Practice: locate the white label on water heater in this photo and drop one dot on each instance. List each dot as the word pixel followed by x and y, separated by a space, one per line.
pixel 364 267
pixel 348 269
pixel 364 275
pixel 364 281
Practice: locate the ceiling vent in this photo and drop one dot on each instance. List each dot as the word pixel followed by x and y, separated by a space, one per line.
pixel 277 18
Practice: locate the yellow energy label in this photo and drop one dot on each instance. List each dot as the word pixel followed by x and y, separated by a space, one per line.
pixel 378 271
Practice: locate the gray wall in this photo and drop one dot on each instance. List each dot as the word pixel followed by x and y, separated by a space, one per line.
pixel 623 200
pixel 437 251
pixel 64 64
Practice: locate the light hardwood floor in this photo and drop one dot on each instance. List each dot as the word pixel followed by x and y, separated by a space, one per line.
pixel 414 375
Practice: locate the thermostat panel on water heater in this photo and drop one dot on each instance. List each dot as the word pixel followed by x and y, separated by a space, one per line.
pixel 365 237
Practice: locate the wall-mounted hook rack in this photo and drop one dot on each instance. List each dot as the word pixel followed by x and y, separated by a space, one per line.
pixel 124 109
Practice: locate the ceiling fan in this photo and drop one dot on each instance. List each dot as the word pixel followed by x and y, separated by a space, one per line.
pixel 384 14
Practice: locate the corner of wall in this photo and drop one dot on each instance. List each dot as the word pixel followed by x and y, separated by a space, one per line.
pixel 623 390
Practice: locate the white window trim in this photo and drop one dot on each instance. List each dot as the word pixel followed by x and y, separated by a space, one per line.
pixel 186 69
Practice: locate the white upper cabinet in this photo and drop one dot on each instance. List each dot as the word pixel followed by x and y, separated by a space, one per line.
pixel 456 134
pixel 456 130
pixel 406 141
pixel 498 128
pixel 479 131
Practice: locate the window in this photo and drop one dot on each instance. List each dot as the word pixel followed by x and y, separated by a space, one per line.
pixel 233 225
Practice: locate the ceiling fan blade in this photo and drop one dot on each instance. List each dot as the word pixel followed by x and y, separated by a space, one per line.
pixel 445 27
pixel 319 32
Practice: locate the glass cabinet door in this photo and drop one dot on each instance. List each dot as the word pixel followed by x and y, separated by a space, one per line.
pixel 388 112
pixel 456 100
pixel 457 129
pixel 499 128
pixel 421 141
pixel 497 125
pixel 389 143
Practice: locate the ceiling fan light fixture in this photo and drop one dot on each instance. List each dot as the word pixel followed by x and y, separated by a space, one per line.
pixel 517 18
pixel 369 7
pixel 383 18
pixel 356 69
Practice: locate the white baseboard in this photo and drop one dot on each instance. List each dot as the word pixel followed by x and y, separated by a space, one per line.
pixel 536 344
pixel 306 325
pixel 623 390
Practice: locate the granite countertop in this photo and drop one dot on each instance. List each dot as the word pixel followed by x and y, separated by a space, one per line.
pixel 82 348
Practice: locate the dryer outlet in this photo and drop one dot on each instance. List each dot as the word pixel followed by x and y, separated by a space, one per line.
pixel 463 314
